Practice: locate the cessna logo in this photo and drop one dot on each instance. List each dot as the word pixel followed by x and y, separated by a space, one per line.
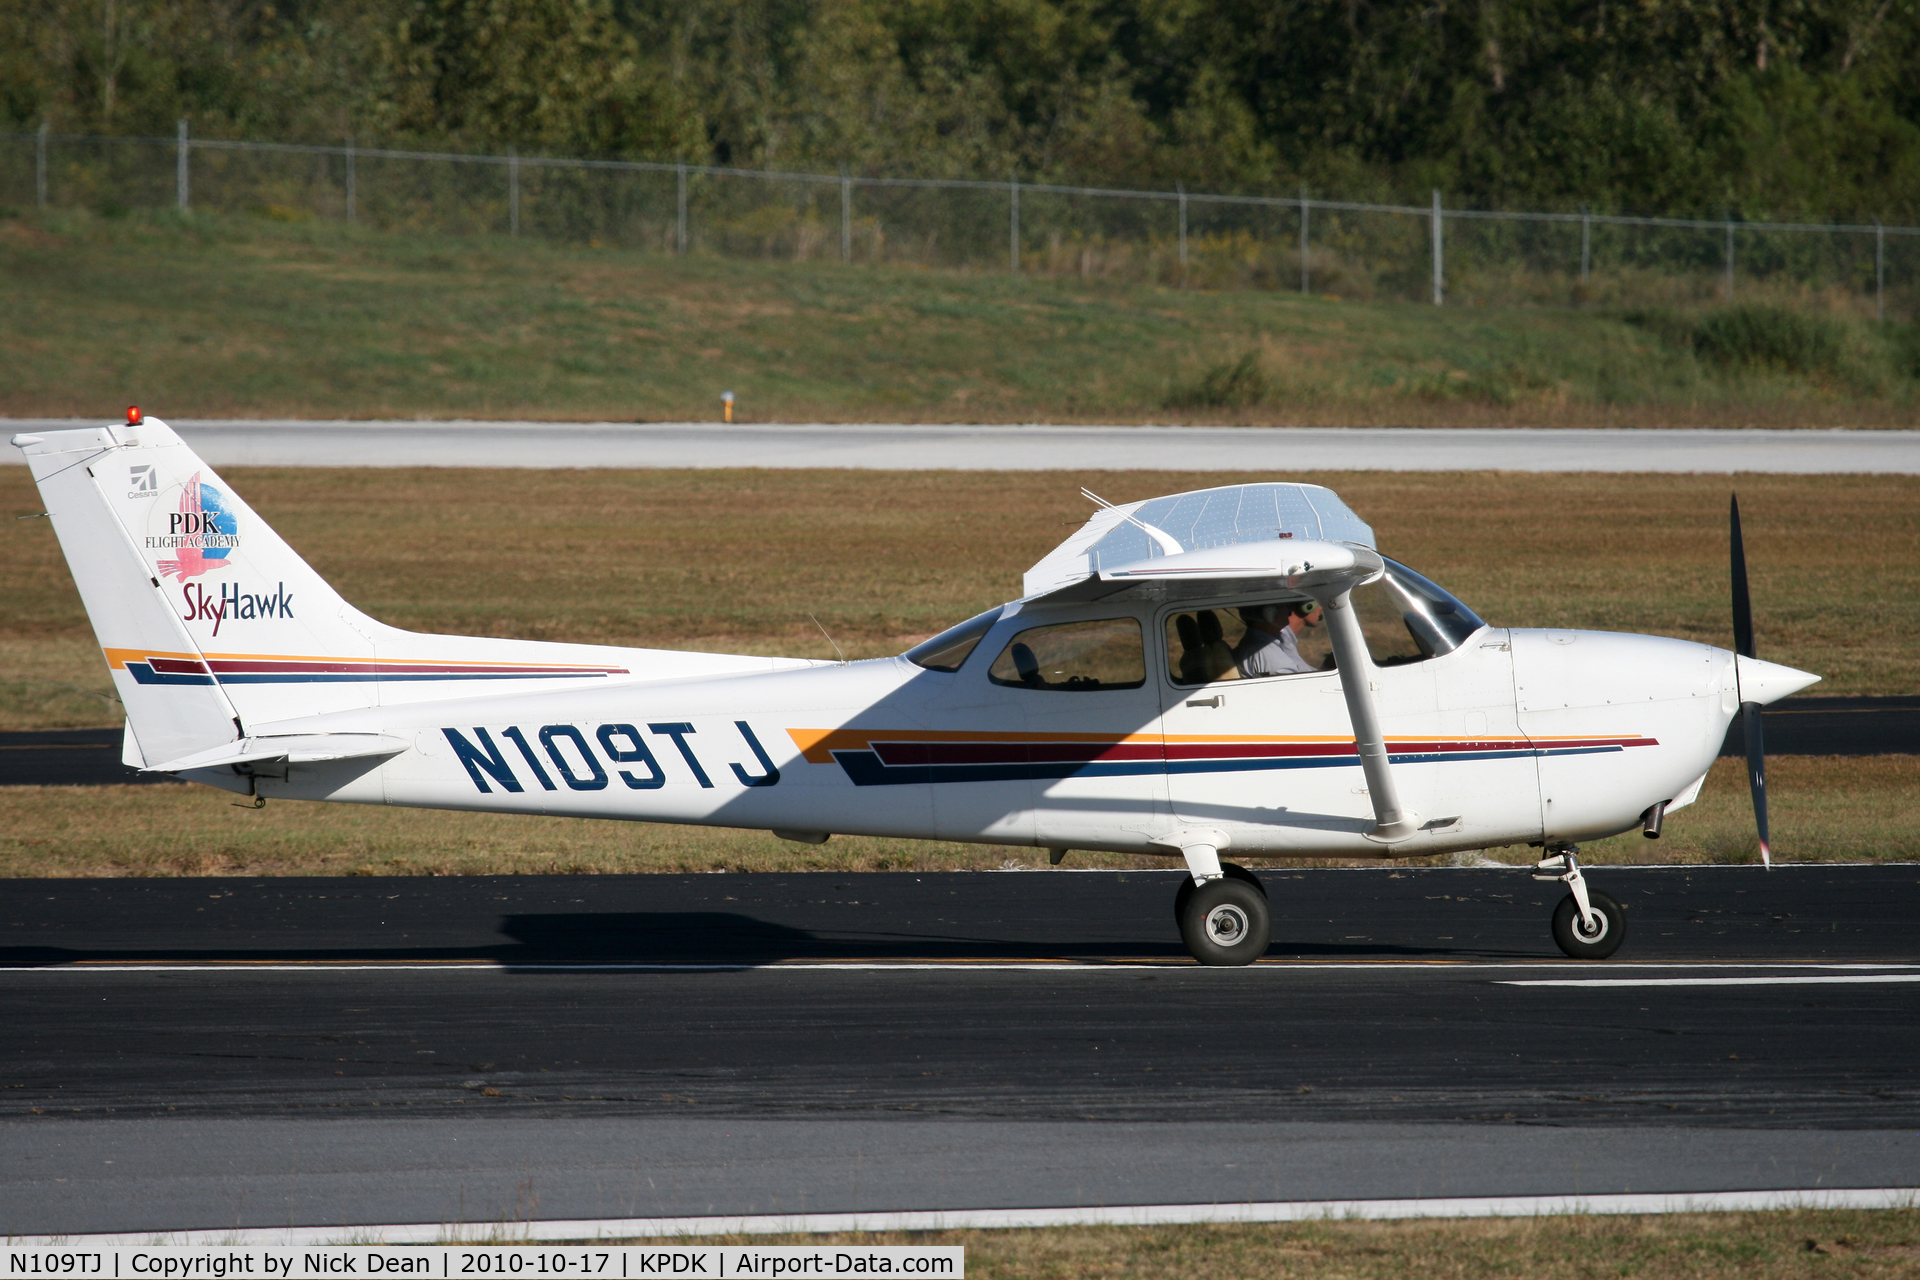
pixel 143 482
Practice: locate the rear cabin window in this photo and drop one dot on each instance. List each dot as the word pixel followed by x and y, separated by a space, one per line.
pixel 1074 657
pixel 952 647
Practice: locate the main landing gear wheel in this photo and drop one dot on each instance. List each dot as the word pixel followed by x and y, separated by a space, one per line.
pixel 1225 921
pixel 1231 870
pixel 1577 940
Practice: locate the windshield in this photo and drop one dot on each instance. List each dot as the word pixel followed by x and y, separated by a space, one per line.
pixel 946 651
pixel 1439 623
pixel 1433 618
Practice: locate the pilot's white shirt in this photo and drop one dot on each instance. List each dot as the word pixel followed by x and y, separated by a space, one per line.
pixel 1265 655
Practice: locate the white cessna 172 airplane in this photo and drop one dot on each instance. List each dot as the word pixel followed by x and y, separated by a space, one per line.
pixel 1232 669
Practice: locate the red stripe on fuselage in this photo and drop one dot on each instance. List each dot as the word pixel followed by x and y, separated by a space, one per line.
pixel 255 667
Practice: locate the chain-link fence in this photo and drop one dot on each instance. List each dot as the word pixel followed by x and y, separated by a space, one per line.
pixel 1338 248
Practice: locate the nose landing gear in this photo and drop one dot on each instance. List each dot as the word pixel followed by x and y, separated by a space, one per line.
pixel 1587 925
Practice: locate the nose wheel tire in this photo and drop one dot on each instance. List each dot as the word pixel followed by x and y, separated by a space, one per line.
pixel 1224 922
pixel 1577 940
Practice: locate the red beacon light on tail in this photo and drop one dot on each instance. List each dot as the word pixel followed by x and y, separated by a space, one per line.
pixel 133 415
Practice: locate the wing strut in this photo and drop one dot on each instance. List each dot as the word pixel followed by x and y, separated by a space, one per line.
pixel 1391 822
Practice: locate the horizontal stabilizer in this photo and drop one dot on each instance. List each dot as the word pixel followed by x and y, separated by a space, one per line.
pixel 297 748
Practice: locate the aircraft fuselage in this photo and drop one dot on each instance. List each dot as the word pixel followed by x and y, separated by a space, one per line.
pixel 1515 737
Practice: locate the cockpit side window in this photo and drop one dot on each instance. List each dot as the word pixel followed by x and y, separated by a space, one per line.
pixel 1246 642
pixel 1404 617
pixel 948 650
pixel 1074 657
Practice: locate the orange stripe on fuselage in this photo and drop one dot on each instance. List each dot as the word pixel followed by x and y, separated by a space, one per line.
pixel 117 660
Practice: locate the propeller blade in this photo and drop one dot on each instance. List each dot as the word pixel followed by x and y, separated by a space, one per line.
pixel 1757 775
pixel 1749 711
pixel 1742 601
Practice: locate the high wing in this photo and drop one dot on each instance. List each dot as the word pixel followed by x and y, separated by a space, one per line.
pixel 1301 569
pixel 1203 520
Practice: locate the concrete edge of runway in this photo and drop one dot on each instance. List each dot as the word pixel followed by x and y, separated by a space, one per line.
pixel 10 425
pixel 1150 1215
pixel 1042 446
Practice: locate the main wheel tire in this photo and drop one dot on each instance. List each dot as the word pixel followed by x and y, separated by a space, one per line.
pixel 1225 922
pixel 1234 871
pixel 1180 899
pixel 1610 927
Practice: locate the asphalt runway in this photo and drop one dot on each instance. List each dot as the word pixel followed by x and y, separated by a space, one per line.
pixel 235 1053
pixel 1287 450
pixel 1797 727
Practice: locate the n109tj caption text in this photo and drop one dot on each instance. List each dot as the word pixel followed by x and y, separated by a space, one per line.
pixel 482 1262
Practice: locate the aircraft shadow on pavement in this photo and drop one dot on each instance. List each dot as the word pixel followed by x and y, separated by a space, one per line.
pixel 719 939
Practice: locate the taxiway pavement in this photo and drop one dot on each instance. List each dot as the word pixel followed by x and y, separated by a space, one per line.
pixel 249 1052
pixel 1285 450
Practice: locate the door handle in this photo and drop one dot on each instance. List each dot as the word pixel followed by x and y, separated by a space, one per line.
pixel 1217 700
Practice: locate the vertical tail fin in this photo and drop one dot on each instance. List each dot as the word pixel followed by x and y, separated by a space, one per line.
pixel 213 625
pixel 179 578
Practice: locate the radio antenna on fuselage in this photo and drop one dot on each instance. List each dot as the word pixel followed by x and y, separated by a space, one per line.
pixel 830 640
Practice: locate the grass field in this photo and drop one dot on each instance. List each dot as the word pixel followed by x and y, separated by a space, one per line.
pixel 232 315
pixel 735 561
pixel 1754 1246
pixel 1853 809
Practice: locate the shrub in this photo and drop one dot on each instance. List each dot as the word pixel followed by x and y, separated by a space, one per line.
pixel 1770 338
pixel 1903 340
pixel 1669 327
pixel 1237 384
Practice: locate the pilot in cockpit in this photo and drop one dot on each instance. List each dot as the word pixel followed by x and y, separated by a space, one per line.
pixel 1271 646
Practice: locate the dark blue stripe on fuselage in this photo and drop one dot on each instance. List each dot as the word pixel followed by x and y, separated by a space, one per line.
pixel 864 768
pixel 143 673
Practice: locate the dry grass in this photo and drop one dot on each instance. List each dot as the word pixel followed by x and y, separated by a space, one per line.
pixel 1824 809
pixel 1754 1246
pixel 1820 809
pixel 736 560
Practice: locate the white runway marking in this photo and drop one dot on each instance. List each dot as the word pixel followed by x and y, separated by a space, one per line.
pixel 1771 980
pixel 949 447
pixel 1009 1219
pixel 971 966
